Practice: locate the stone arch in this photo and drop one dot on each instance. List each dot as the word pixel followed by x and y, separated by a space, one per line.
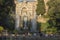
pixel 24 11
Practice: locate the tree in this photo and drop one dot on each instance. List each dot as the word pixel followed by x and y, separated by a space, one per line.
pixel 44 26
pixel 40 7
pixel 6 9
pixel 52 30
pixel 54 12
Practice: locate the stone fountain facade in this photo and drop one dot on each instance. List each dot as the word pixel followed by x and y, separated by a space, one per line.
pixel 25 13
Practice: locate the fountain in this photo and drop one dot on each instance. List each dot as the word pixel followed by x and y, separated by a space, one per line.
pixel 25 22
pixel 34 24
pixel 17 22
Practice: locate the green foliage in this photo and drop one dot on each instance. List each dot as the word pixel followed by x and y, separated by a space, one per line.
pixel 54 12
pixel 6 9
pixel 1 28
pixel 52 22
pixel 40 7
pixel 52 30
pixel 1 2
pixel 54 8
pixel 38 26
pixel 52 3
pixel 15 31
pixel 51 11
pixel 44 26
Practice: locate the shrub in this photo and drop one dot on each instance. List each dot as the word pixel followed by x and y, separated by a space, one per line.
pixel 1 28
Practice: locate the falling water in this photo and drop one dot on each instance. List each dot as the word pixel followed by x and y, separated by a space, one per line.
pixel 33 29
pixel 17 22
pixel 34 24
pixel 25 23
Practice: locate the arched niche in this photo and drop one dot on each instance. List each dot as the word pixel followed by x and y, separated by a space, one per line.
pixel 24 11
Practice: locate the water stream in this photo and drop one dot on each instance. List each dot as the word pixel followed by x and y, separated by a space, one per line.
pixel 25 23
pixel 34 24
pixel 17 22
